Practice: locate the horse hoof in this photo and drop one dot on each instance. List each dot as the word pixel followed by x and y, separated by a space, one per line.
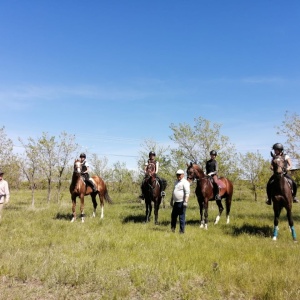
pixel 274 238
pixel 82 221
pixel 73 219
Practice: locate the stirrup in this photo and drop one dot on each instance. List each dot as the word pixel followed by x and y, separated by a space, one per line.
pixel 217 197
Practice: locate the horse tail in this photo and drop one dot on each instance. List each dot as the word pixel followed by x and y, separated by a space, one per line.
pixel 107 198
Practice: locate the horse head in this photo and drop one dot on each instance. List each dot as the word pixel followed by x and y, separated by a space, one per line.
pixel 77 166
pixel 194 172
pixel 150 170
pixel 278 165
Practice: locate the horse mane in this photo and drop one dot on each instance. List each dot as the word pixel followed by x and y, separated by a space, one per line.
pixel 198 169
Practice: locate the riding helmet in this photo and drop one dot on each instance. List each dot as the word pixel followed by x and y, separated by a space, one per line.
pixel 82 155
pixel 152 153
pixel 213 152
pixel 278 146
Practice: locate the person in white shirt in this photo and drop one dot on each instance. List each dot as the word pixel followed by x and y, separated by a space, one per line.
pixel 4 192
pixel 179 201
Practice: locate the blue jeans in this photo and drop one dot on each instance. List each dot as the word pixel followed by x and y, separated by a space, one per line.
pixel 178 210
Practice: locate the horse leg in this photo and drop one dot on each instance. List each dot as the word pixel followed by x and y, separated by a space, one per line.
pixel 101 197
pixel 94 204
pixel 156 208
pixel 73 208
pixel 82 208
pixel 291 224
pixel 277 211
pixel 148 209
pixel 200 202
pixel 221 208
pixel 206 214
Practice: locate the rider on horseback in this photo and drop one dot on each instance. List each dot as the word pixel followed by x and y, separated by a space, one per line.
pixel 212 170
pixel 278 149
pixel 161 182
pixel 85 168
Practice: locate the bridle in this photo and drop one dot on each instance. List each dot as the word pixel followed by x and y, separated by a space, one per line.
pixel 278 165
pixel 77 167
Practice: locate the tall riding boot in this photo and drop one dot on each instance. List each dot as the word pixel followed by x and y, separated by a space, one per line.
pixel 217 192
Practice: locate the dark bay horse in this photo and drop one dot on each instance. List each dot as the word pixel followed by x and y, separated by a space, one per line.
pixel 281 194
pixel 78 188
pixel 205 193
pixel 152 193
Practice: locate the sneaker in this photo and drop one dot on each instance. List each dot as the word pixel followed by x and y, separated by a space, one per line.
pixel 163 194
pixel 268 202
pixel 295 200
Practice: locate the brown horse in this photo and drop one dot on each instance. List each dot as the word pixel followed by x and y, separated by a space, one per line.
pixel 205 192
pixel 78 188
pixel 152 193
pixel 281 194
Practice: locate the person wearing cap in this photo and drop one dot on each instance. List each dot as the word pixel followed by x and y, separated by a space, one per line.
pixel 161 182
pixel 179 201
pixel 212 170
pixel 4 192
pixel 85 169
pixel 278 150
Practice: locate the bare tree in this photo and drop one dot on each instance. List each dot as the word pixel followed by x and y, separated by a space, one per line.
pixel 100 167
pixel 64 151
pixel 195 143
pixel 290 128
pixel 256 170
pixel 30 164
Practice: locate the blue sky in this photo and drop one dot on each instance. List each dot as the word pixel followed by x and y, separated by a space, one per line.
pixel 115 73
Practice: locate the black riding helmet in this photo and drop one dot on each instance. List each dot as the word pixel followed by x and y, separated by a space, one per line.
pixel 278 146
pixel 152 153
pixel 213 152
pixel 82 155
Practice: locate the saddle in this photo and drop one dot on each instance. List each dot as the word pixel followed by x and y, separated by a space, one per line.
pixel 289 181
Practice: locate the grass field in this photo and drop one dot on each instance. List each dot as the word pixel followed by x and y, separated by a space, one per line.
pixel 44 256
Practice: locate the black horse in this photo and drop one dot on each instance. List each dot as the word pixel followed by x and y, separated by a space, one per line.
pixel 152 193
pixel 281 194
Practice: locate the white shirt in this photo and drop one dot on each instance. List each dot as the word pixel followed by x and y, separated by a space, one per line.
pixel 4 191
pixel 181 190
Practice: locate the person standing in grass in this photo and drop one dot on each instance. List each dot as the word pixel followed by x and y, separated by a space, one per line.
pixel 179 201
pixel 4 192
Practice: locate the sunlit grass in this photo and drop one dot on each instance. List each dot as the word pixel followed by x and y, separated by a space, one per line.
pixel 44 256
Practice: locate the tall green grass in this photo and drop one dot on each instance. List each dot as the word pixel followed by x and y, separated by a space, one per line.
pixel 44 256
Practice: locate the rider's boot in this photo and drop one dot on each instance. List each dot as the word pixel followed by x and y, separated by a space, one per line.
pixel 269 199
pixel 218 197
pixel 163 194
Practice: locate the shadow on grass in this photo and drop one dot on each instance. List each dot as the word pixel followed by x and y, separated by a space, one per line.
pixel 263 231
pixel 61 216
pixel 134 219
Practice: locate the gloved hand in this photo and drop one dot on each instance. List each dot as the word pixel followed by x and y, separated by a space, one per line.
pixel 185 204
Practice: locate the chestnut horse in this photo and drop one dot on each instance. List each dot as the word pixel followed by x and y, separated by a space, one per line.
pixel 281 194
pixel 205 192
pixel 78 188
pixel 152 193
